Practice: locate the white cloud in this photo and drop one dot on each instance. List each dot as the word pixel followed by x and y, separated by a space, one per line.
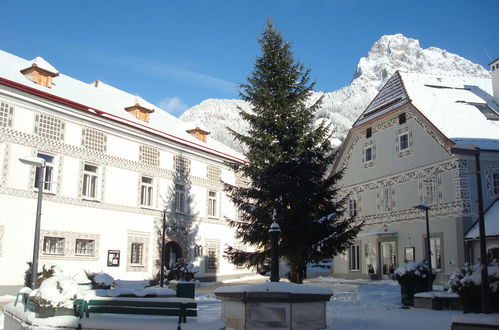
pixel 173 105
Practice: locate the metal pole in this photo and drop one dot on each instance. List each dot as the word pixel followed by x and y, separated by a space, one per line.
pixel 36 247
pixel 162 271
pixel 483 250
pixel 428 251
pixel 274 261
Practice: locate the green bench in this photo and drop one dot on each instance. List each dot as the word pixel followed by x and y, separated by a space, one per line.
pixel 181 307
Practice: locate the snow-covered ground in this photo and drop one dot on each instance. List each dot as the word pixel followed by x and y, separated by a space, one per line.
pixel 355 305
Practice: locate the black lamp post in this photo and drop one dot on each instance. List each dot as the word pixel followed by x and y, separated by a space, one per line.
pixel 472 150
pixel 428 246
pixel 162 271
pixel 274 261
pixel 40 168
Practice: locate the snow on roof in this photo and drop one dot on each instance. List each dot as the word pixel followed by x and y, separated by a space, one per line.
pixel 453 105
pixel 42 64
pixel 491 218
pixel 112 102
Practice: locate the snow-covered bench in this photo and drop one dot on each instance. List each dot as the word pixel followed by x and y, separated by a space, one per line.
pixel 181 307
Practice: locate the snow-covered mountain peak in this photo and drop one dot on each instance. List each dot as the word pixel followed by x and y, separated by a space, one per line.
pixel 342 107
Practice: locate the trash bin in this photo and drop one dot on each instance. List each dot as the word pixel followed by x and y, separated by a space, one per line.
pixel 186 289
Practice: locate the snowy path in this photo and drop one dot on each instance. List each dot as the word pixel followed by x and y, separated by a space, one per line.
pixel 355 305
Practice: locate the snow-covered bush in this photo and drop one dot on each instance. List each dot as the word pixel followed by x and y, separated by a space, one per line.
pixel 413 272
pixel 182 271
pixel 56 291
pixel 466 282
pixel 47 272
pixel 100 280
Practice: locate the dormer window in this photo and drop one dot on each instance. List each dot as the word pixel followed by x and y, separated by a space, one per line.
pixel 40 72
pixel 139 112
pixel 199 133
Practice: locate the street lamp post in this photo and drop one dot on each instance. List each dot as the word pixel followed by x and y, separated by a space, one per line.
pixel 162 270
pixel 428 246
pixel 274 261
pixel 472 150
pixel 40 168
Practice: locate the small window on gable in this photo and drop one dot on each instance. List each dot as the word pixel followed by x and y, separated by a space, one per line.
pixel 369 132
pixel 149 155
pixel 402 118
pixel 139 112
pixel 40 72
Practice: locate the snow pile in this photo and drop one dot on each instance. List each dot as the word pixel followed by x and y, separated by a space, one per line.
pixel 468 277
pixel 101 280
pixel 342 107
pixel 56 291
pixel 412 271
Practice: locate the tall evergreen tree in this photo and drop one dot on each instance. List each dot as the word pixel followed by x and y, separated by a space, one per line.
pixel 288 161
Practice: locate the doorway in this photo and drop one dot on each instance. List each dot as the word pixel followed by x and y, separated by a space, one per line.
pixel 388 259
pixel 173 252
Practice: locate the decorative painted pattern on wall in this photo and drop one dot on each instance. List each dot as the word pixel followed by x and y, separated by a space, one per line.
pixel 489 180
pixel 1 239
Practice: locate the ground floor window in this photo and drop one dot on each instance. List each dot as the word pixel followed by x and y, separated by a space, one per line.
pixel 85 247
pixel 53 245
pixel 354 257
pixel 212 256
pixel 137 253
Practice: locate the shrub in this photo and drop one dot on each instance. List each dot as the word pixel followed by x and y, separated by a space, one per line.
pixel 182 271
pixel 413 272
pixel 47 272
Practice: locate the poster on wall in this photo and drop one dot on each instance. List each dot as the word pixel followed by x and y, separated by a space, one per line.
pixel 113 258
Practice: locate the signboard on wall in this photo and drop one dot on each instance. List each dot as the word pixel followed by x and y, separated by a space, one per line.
pixel 113 258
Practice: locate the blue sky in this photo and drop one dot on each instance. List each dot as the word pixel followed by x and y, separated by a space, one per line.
pixel 178 53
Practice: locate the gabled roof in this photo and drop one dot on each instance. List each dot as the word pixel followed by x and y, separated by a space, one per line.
pixel 107 102
pixel 462 108
pixel 491 221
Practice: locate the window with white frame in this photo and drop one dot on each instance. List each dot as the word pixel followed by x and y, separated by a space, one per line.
pixel 94 140
pixel 403 141
pixel 180 198
pixel 352 206
pixel 137 254
pixel 354 257
pixel 212 204
pixel 48 172
pixel 53 245
pixel 495 183
pixel 90 181
pixel 435 251
pixel 429 190
pixel 146 191
pixel 85 247
pixel 6 114
pixel 49 127
pixel 149 155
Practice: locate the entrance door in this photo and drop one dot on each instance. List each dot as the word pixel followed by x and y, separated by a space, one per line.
pixel 388 259
pixel 173 252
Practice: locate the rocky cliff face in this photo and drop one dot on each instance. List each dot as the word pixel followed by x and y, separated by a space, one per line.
pixel 342 107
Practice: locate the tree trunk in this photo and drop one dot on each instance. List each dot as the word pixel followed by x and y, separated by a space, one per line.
pixel 296 271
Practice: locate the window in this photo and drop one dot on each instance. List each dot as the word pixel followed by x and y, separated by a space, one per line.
pixel 212 204
pixel 146 191
pixel 48 172
pixel 6 113
pixel 435 252
pixel 214 173
pixel 404 141
pixel 495 179
pixel 53 245
pixel 94 140
pixel 137 253
pixel 386 201
pixel 369 132
pixel 181 165
pixel 180 198
pixel 354 257
pixel 429 190
pixel 211 258
pixel 49 127
pixel 85 247
pixel 369 154
pixel 89 181
pixel 149 155
pixel 352 207
pixel 402 118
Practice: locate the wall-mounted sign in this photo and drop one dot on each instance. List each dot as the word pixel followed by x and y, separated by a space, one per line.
pixel 113 258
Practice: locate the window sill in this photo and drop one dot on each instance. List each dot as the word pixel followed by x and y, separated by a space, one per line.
pixel 354 270
pixel 88 199
pixel 137 265
pixel 213 217
pixel 85 255
pixel 146 207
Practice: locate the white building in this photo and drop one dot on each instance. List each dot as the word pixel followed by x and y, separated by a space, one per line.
pixel 114 163
pixel 398 155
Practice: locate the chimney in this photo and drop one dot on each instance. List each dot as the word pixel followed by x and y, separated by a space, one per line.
pixel 494 72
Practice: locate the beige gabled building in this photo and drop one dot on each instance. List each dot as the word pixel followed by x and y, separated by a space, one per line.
pixel 398 155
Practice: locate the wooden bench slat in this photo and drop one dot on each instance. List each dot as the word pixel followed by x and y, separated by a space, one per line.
pixel 150 311
pixel 140 304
